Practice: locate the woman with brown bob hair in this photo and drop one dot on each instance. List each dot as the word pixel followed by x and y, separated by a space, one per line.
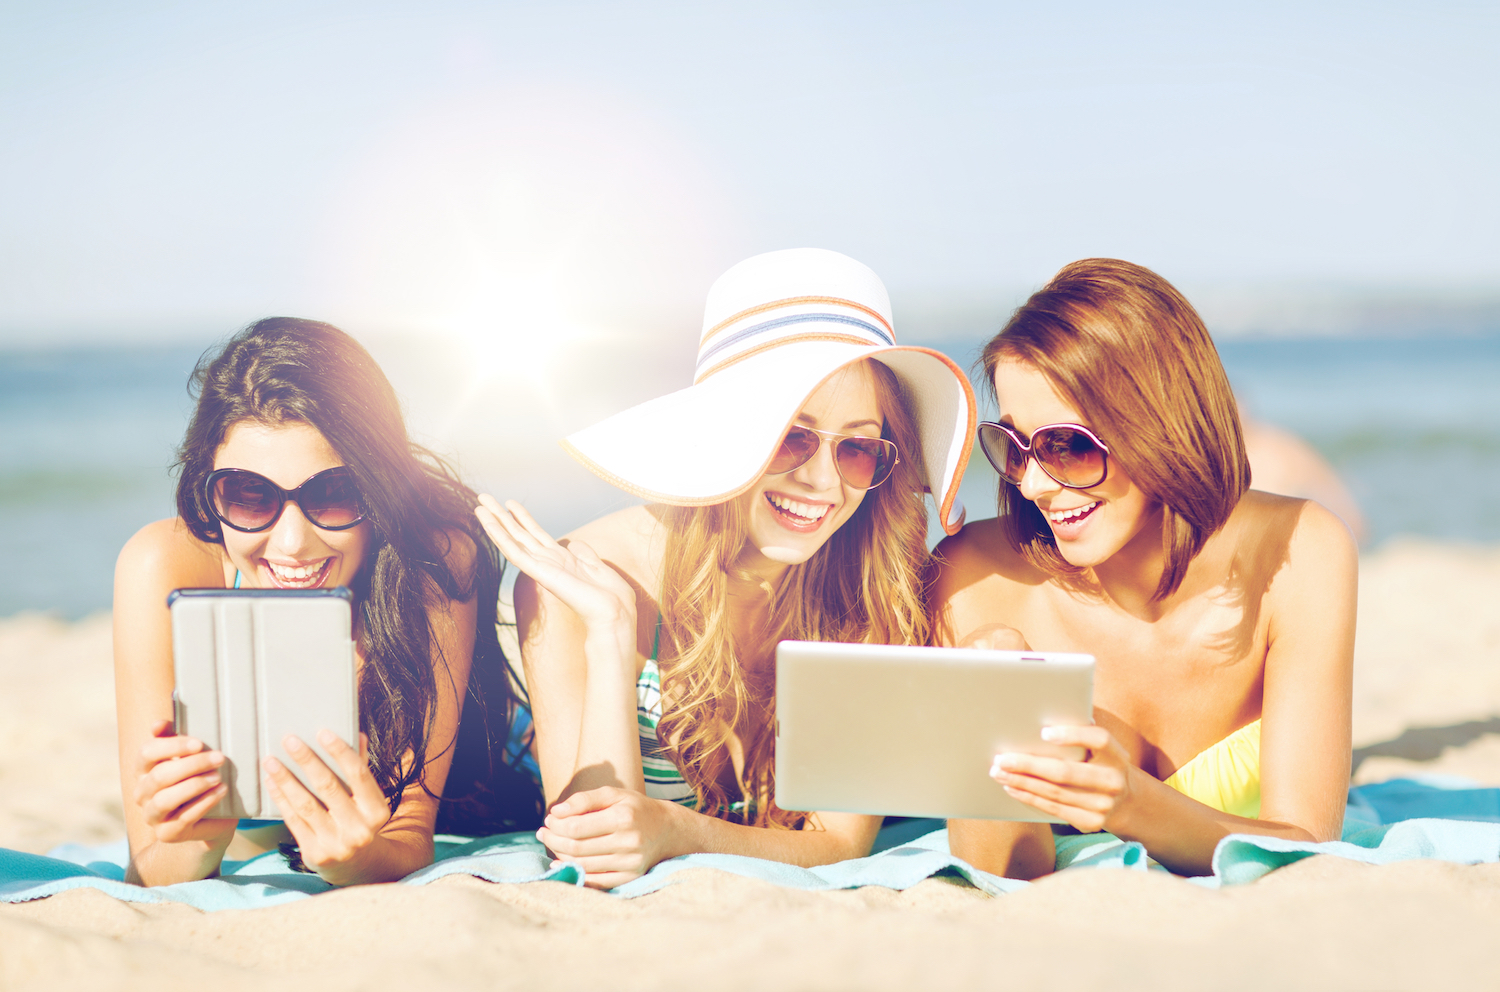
pixel 1222 618
pixel 787 501
pixel 296 472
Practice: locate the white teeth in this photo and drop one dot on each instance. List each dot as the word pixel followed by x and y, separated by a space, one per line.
pixel 808 511
pixel 1061 516
pixel 296 573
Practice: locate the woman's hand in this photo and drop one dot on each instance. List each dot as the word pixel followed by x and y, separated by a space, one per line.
pixel 335 826
pixel 995 637
pixel 1090 795
pixel 181 781
pixel 574 574
pixel 614 835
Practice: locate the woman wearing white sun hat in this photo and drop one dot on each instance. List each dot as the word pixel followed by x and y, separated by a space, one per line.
pixel 787 486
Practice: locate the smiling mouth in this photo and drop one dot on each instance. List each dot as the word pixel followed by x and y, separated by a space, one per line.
pixel 797 514
pixel 298 576
pixel 1076 515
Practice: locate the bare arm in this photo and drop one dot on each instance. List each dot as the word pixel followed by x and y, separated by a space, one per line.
pixel 1305 742
pixel 578 629
pixel 166 782
pixel 963 603
pixel 351 837
pixel 580 645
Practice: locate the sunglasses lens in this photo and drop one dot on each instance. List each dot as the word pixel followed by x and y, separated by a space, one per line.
pixel 796 448
pixel 331 500
pixel 1007 457
pixel 1069 456
pixel 865 462
pixel 245 501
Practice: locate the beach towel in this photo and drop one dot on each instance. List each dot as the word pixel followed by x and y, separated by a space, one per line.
pixel 1443 819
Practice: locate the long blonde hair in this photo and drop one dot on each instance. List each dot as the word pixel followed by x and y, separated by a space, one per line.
pixel 864 584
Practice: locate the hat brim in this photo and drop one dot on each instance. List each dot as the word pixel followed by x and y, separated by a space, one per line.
pixel 712 441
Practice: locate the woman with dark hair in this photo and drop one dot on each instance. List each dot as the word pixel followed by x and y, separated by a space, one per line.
pixel 1222 618
pixel 296 416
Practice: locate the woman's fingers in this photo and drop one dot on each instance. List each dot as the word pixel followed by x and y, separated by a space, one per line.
pixel 184 819
pixel 292 797
pixel 519 527
pixel 587 801
pixel 363 788
pixel 331 793
pixel 529 524
pixel 161 804
pixel 162 748
pixel 1085 820
pixel 594 844
pixel 1077 774
pixel 1093 737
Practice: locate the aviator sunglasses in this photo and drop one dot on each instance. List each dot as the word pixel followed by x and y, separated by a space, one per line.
pixel 1071 455
pixel 249 502
pixel 862 462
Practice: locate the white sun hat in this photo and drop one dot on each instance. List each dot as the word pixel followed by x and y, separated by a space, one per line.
pixel 777 326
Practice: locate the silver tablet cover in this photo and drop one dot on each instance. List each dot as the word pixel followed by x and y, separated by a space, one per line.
pixel 254 665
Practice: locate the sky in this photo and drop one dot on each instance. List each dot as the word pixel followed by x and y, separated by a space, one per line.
pixel 167 168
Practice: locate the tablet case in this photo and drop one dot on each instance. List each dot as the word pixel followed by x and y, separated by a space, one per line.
pixel 253 665
pixel 912 731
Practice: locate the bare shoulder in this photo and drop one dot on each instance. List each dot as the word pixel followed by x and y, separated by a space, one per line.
pixel 167 552
pixel 1296 545
pixel 980 552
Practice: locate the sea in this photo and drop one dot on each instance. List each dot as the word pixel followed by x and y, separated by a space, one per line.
pixel 88 436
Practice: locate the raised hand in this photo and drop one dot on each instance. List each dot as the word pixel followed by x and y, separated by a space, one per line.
pixel 574 573
pixel 334 826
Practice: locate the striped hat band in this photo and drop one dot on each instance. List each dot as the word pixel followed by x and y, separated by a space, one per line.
pixel 799 318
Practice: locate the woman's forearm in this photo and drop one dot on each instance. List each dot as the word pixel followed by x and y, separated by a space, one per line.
pixel 608 739
pixel 157 863
pixel 804 848
pixel 1182 833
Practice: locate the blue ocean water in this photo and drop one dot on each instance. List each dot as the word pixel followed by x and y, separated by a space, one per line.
pixel 87 438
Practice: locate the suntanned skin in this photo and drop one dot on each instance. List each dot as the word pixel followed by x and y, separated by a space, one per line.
pixel 1262 627
pixel 586 609
pixel 168 782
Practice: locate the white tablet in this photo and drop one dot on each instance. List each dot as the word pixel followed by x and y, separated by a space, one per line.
pixel 912 731
pixel 253 665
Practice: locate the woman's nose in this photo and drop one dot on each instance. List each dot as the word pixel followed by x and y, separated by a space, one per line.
pixel 1035 482
pixel 819 473
pixel 293 532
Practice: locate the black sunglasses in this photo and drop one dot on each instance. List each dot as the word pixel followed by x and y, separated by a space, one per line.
pixel 249 502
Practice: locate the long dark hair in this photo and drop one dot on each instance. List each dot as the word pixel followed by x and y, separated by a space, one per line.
pixel 286 370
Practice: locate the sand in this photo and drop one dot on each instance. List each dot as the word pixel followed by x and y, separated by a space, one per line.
pixel 1427 699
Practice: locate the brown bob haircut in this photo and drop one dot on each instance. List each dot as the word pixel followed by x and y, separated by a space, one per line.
pixel 1133 356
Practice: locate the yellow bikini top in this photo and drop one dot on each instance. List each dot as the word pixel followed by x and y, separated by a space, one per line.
pixel 1226 775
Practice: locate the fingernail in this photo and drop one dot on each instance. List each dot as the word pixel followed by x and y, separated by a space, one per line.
pixel 293 744
pixel 325 737
pixel 1051 733
pixel 217 758
pixel 1004 762
pixel 538 835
